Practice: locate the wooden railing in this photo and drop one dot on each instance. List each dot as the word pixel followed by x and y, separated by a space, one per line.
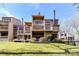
pixel 38 27
pixel 52 28
pixel 3 28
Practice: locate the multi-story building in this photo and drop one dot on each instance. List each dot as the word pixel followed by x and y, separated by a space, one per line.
pixel 12 29
pixel 44 27
pixel 8 28
pixel 38 28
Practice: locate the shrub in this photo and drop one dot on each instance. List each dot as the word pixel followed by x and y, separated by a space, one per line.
pixel 42 39
pixel 33 40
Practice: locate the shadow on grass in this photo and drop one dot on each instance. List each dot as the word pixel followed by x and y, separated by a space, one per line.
pixel 66 50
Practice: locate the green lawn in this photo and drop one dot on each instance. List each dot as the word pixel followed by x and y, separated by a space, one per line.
pixel 44 49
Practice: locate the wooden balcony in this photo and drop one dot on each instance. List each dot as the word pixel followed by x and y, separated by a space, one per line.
pixel 38 22
pixel 3 28
pixel 55 28
pixel 38 28
pixel 27 29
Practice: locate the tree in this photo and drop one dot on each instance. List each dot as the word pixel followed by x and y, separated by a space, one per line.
pixel 72 25
pixel 76 4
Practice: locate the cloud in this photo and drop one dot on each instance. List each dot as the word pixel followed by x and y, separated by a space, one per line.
pixel 4 11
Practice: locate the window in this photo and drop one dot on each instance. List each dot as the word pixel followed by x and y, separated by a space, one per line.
pixel 25 37
pixel 62 34
pixel 29 37
pixel 37 22
pixel 4 33
pixel 47 27
pixel 7 19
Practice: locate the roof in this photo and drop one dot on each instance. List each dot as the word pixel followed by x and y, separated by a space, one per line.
pixel 39 17
pixel 28 23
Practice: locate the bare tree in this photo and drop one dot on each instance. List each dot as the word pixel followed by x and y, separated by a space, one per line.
pixel 72 25
pixel 76 4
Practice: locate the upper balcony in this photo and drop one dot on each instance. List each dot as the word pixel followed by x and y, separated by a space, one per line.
pixel 38 22
pixel 38 28
pixel 51 21
pixel 27 29
pixel 3 22
pixel 55 28
pixel 51 28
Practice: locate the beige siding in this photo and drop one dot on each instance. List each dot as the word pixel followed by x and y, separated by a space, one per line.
pixel 10 31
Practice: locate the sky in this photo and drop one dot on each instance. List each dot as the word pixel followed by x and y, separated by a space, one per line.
pixel 26 10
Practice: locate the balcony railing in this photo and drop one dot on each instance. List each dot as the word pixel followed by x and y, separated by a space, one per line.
pixel 27 29
pixel 38 27
pixel 51 28
pixel 19 32
pixel 56 28
pixel 38 22
pixel 51 21
pixel 27 32
pixel 3 27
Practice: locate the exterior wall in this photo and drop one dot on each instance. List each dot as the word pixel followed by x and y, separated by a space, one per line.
pixel 3 29
pixel 16 21
pixel 10 31
pixel 7 24
pixel 28 31
pixel 11 19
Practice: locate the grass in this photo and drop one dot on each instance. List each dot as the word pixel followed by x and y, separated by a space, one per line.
pixel 29 49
